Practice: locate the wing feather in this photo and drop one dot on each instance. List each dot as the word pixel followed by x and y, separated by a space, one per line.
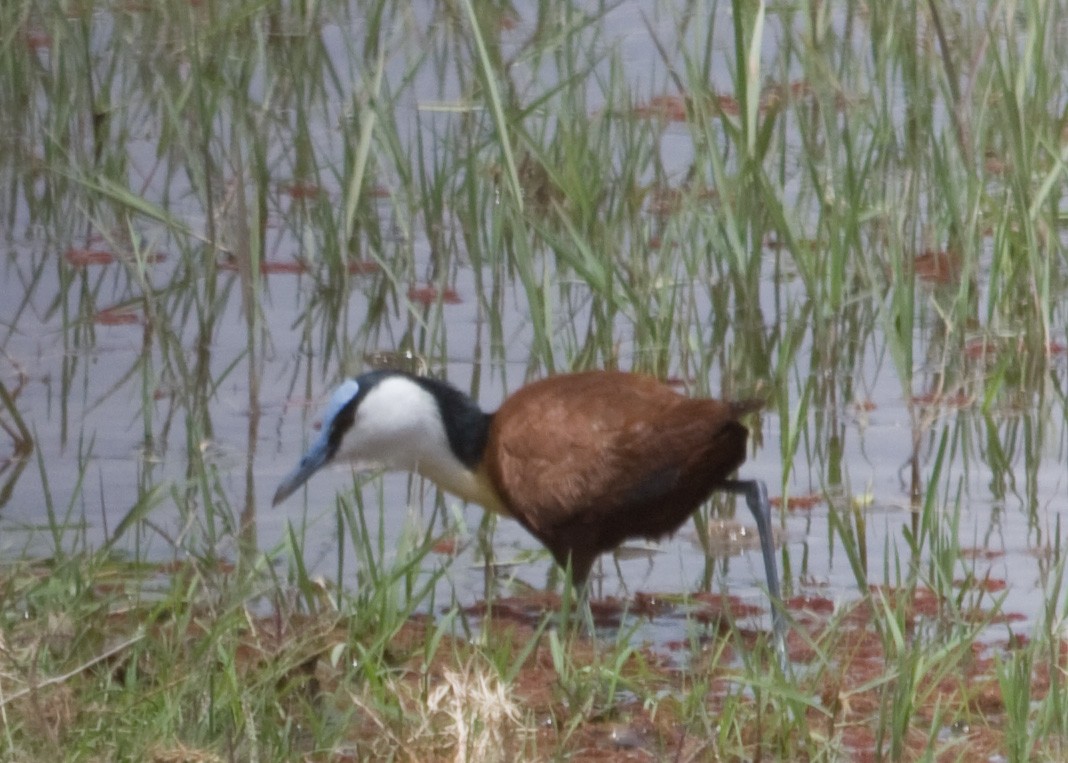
pixel 585 449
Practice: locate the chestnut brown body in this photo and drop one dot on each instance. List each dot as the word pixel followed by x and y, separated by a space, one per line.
pixel 585 461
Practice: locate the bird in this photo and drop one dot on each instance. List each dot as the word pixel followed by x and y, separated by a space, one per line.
pixel 583 461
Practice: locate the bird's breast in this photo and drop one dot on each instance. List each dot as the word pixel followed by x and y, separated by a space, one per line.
pixel 474 486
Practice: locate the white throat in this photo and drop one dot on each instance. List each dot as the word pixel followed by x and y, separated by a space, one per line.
pixel 397 426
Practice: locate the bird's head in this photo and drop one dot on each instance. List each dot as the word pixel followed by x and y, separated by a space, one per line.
pixel 397 421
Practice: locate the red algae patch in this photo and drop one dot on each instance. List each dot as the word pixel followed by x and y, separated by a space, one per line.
pixel 992 348
pixel 81 258
pixel 299 267
pixel 268 267
pixel 291 267
pixel 302 190
pixel 524 610
pixel 671 108
pixel 663 201
pixel 362 267
pixel 958 399
pixel 85 257
pixel 428 295
pixel 918 602
pixel 816 605
pixel 448 545
pixel 798 502
pixel 37 39
pixel 987 585
pixel 938 266
pixel 985 554
pixel 120 315
pixel 714 607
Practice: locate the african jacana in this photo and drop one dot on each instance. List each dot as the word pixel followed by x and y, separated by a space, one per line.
pixel 583 461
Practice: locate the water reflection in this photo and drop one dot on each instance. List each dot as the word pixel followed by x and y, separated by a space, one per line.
pixel 207 230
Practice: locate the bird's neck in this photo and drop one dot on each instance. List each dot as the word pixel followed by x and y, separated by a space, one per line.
pixel 467 432
pixel 466 425
pixel 473 486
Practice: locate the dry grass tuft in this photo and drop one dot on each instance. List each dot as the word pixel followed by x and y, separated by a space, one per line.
pixel 474 709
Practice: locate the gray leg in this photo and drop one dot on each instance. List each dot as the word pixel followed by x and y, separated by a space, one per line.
pixel 756 496
pixel 578 573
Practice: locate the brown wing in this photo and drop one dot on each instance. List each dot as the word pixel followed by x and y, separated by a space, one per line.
pixel 586 460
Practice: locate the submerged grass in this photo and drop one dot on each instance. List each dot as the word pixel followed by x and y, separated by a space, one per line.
pixel 831 207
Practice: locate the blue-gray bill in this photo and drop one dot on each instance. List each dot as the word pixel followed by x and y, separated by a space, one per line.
pixel 313 460
pixel 319 452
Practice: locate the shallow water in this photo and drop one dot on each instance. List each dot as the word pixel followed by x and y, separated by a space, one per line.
pixel 124 402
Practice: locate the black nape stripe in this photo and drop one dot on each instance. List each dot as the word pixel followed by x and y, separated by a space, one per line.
pixel 466 425
pixel 342 423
